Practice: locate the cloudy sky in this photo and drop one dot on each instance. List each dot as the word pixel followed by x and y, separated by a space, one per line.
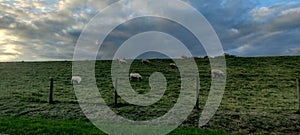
pixel 49 29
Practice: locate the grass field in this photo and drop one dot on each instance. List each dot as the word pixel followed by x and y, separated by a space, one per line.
pixel 260 97
pixel 37 125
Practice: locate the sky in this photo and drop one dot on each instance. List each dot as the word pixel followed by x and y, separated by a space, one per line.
pixel 39 30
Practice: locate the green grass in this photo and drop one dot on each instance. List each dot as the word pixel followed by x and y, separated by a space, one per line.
pixel 260 94
pixel 38 125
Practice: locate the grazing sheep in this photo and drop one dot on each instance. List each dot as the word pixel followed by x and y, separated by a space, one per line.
pixel 76 80
pixel 217 73
pixel 173 65
pixel 135 76
pixel 145 61
pixel 122 61
pixel 184 57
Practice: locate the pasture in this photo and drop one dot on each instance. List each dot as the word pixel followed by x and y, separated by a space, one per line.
pixel 260 96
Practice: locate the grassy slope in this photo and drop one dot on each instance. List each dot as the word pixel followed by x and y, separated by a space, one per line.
pixel 260 95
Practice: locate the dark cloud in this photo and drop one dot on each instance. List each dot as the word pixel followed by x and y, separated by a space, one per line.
pixel 251 28
pixel 143 24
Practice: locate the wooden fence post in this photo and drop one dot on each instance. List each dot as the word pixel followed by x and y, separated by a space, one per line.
pixel 115 91
pixel 197 92
pixel 51 91
pixel 298 90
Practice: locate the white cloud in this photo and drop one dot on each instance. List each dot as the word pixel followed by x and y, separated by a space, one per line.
pixel 9 52
pixel 294 51
pixel 244 48
pixel 262 13
pixel 292 11
pixel 234 31
pixel 287 18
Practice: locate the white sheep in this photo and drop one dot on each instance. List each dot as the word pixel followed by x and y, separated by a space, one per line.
pixel 135 76
pixel 184 57
pixel 217 73
pixel 173 65
pixel 145 61
pixel 76 80
pixel 122 61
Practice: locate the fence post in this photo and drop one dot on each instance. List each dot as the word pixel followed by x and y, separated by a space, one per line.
pixel 115 91
pixel 298 90
pixel 51 91
pixel 197 92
